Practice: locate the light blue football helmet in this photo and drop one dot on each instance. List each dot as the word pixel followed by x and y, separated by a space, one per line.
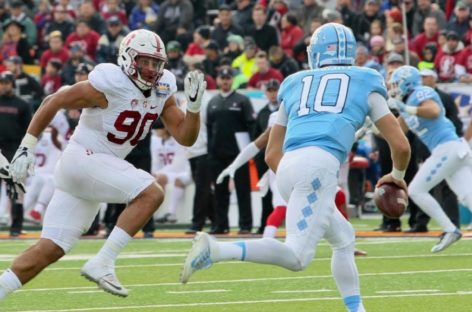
pixel 331 44
pixel 404 80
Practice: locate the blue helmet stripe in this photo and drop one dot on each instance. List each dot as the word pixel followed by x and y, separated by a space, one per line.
pixel 345 41
pixel 339 40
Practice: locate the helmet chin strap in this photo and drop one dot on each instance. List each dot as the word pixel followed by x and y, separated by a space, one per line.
pixel 140 82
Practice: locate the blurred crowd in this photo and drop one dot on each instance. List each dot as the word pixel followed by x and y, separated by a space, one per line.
pixel 240 44
pixel 58 35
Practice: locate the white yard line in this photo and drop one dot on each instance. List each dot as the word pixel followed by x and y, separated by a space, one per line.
pixel 85 291
pixel 197 291
pixel 270 301
pixel 251 280
pixel 301 291
pixel 414 291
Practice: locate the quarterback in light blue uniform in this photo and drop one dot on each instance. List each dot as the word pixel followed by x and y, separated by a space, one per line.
pixel 321 109
pixel 422 112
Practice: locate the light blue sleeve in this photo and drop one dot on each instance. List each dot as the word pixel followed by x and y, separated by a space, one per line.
pixel 420 95
pixel 378 84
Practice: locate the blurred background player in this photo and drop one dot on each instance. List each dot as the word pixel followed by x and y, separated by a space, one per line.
pixel 320 111
pixel 41 185
pixel 170 166
pixel 422 112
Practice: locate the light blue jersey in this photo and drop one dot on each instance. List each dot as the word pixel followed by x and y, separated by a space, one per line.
pixel 326 106
pixel 431 132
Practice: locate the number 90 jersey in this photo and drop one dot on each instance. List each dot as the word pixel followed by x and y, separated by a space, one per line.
pixel 326 106
pixel 129 116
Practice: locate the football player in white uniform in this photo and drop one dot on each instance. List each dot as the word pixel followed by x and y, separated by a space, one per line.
pixel 119 104
pixel 41 185
pixel 170 165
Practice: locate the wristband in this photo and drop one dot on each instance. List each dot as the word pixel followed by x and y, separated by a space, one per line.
pixel 398 174
pixel 412 110
pixel 29 141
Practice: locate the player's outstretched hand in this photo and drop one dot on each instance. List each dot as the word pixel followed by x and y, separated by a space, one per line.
pixel 228 171
pixel 389 179
pixel 4 167
pixel 13 189
pixel 22 164
pixel 194 86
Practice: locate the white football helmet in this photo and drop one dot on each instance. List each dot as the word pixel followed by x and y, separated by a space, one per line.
pixel 137 43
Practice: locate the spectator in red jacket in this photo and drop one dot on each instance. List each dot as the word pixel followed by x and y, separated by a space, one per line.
pixel 195 52
pixel 51 80
pixel 464 68
pixel 430 34
pixel 264 73
pixel 56 50
pixel 86 37
pixel 112 8
pixel 291 33
pixel 447 57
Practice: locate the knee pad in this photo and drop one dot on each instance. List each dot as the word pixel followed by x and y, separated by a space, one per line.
pixel 340 234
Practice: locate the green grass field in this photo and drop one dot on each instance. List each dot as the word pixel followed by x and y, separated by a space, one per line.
pixel 397 275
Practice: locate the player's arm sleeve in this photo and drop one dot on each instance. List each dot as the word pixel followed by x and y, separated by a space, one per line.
pixel 282 118
pixel 377 106
pixel 378 84
pixel 272 119
pixel 103 79
pixel 422 95
pixel 169 78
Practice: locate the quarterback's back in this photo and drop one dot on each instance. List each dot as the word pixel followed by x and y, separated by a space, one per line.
pixel 326 106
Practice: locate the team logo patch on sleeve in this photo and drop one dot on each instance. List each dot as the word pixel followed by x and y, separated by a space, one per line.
pixel 162 89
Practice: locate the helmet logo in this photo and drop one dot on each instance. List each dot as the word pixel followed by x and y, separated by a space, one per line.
pixel 331 49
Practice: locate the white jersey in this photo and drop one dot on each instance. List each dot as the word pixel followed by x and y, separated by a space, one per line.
pixel 168 156
pixel 46 154
pixel 117 129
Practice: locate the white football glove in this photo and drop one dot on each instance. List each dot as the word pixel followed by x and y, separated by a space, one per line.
pixel 228 171
pixel 22 164
pixel 13 189
pixel 194 86
pixel 4 167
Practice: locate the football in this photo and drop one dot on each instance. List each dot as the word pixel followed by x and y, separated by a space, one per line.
pixel 391 200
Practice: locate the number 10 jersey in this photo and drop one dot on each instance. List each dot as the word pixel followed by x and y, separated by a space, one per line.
pixel 326 106
pixel 129 116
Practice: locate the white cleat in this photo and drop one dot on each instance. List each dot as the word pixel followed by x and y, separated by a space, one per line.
pixel 198 258
pixel 447 239
pixel 104 276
